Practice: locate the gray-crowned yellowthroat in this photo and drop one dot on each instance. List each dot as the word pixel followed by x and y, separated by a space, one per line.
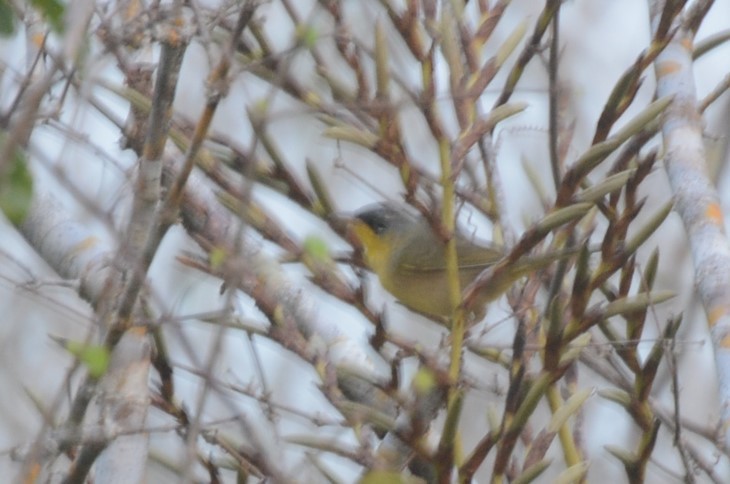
pixel 409 259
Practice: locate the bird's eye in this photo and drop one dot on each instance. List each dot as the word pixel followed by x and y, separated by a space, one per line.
pixel 378 227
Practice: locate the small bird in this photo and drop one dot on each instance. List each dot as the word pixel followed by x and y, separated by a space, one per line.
pixel 409 259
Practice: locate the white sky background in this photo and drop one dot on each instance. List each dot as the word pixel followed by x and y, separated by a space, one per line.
pixel 601 39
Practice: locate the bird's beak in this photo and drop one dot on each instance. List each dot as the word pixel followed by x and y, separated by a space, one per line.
pixel 344 223
pixel 340 221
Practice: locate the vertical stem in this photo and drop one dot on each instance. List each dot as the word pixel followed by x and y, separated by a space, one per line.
pixel 571 454
pixel 457 314
pixel 452 263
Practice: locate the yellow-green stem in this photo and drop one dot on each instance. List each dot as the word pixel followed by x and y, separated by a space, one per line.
pixel 452 264
pixel 452 272
pixel 570 450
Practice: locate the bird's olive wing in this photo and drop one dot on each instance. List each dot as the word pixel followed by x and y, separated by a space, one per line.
pixel 427 255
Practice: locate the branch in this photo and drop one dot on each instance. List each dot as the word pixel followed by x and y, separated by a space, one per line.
pixel 696 199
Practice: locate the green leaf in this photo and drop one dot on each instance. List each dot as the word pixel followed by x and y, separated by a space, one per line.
pixel 16 189
pixel 424 381
pixel 317 249
pixel 217 257
pixel 94 357
pixel 308 35
pixel 53 10
pixel 7 19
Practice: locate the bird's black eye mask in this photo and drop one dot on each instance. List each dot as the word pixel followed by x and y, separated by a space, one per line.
pixel 383 218
pixel 378 220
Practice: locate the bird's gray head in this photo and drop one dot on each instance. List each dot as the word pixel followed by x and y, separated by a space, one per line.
pixel 384 217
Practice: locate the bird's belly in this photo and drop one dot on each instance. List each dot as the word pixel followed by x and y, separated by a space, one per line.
pixel 426 293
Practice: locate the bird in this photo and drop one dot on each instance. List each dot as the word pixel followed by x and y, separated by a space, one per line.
pixel 409 259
